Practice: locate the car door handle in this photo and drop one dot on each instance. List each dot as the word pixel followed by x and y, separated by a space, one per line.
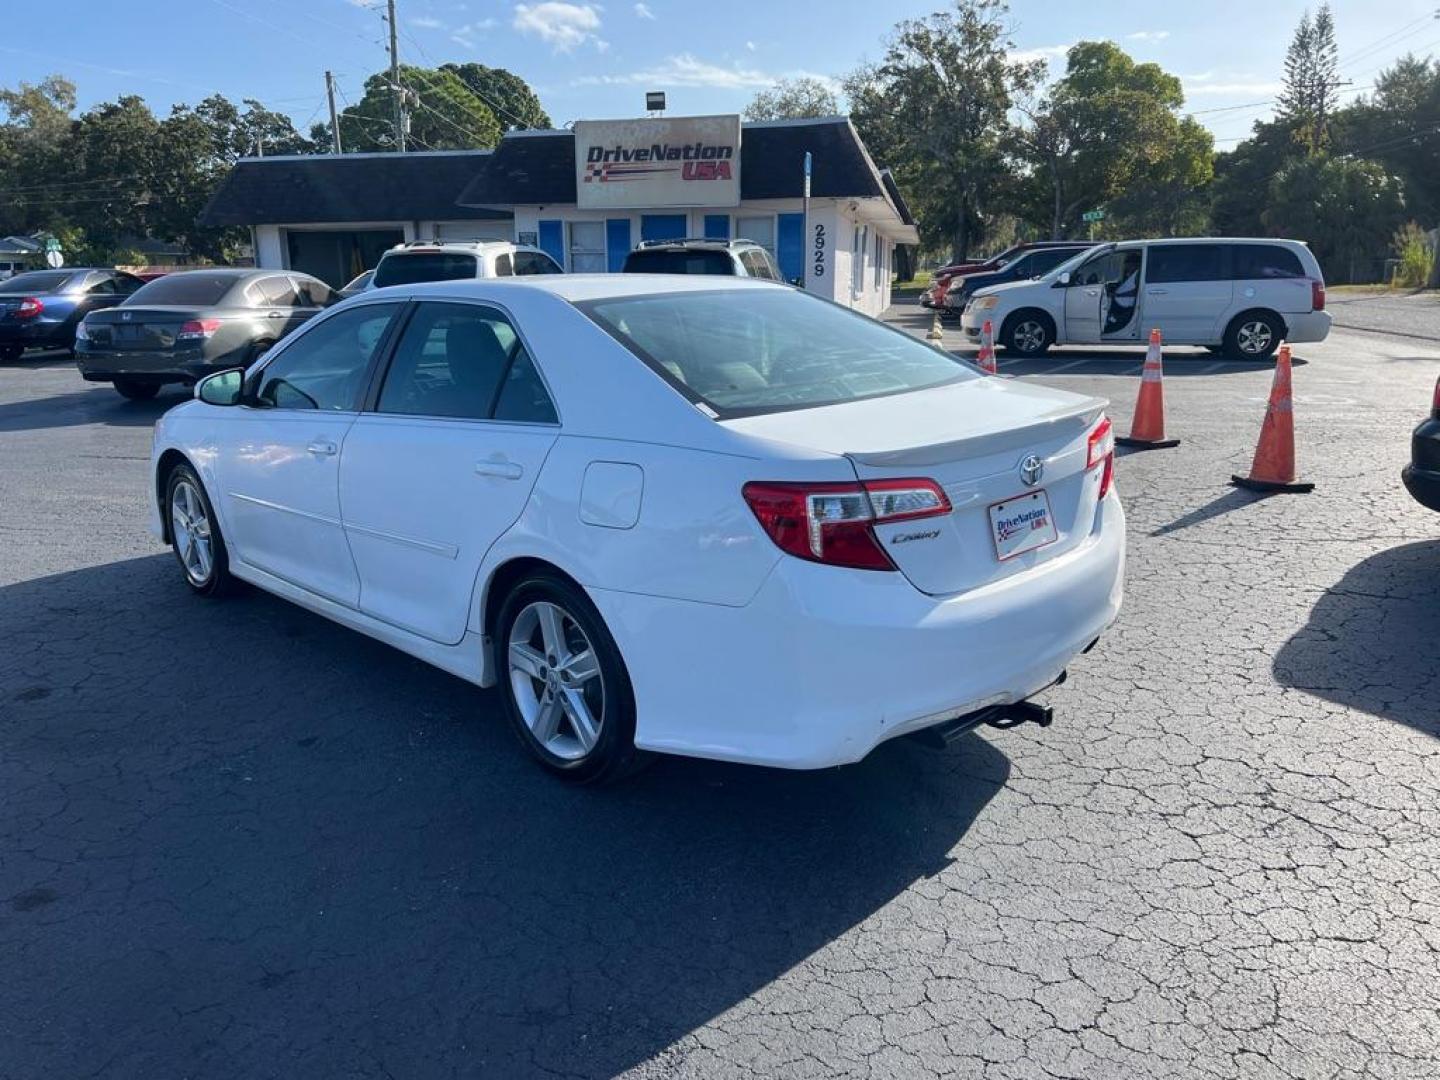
pixel 1156 292
pixel 1092 292
pixel 275 315
pixel 323 447
pixel 504 470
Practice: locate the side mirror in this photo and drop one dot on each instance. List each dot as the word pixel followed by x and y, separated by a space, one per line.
pixel 222 388
pixel 1063 280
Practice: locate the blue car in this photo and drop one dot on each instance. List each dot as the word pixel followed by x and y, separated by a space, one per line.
pixel 41 309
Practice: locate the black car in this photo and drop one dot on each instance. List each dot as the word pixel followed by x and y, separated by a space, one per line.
pixel 1023 267
pixel 41 309
pixel 186 325
pixel 1422 475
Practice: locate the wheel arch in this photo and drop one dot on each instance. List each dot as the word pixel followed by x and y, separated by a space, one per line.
pixel 164 467
pixel 497 586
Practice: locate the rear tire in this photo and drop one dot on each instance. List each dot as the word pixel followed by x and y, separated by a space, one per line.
pixel 567 693
pixel 135 390
pixel 195 535
pixel 1253 335
pixel 1027 333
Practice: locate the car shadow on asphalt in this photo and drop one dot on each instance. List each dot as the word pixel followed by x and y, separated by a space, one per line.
pixel 1371 640
pixel 97 405
pixel 251 842
pixel 1076 360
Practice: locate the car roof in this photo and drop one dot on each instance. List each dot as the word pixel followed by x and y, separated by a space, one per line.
pixel 1209 240
pixel 582 287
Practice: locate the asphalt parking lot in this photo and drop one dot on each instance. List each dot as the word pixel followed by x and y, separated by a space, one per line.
pixel 237 840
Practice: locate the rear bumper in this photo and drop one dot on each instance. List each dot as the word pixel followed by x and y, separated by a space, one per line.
pixel 33 333
pixel 1309 326
pixel 1424 487
pixel 1422 475
pixel 189 365
pixel 825 664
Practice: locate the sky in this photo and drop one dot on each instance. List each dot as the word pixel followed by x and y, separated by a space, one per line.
pixel 593 60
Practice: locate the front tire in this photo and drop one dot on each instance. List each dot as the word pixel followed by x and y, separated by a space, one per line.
pixel 566 690
pixel 1027 333
pixel 195 535
pixel 1254 335
pixel 134 390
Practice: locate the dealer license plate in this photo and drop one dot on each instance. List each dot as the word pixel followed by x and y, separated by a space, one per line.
pixel 1022 524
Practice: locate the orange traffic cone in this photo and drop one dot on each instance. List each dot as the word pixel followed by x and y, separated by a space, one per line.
pixel 1274 465
pixel 1147 428
pixel 986 360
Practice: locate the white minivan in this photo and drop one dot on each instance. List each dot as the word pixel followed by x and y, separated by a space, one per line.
pixel 1242 297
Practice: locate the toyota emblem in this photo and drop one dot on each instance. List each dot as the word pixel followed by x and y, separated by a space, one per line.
pixel 1031 470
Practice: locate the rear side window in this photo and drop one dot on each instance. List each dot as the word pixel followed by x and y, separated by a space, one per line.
pixel 757 264
pixel 465 362
pixel 192 288
pixel 1188 262
pixel 502 265
pixel 533 262
pixel 413 267
pixel 1258 262
pixel 679 261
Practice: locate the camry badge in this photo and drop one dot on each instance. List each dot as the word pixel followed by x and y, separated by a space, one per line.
pixel 1031 470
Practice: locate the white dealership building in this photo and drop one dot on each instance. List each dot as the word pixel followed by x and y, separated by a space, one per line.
pixel 588 196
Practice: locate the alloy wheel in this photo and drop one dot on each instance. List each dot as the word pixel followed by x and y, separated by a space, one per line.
pixel 556 680
pixel 1253 338
pixel 1029 335
pixel 190 525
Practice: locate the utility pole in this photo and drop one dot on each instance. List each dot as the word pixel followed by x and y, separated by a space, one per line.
pixel 395 87
pixel 334 120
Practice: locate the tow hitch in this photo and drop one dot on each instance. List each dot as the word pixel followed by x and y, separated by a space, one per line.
pixel 1004 717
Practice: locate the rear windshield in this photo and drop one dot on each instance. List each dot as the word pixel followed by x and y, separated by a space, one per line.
pixel 39 281
pixel 678 261
pixel 742 352
pixel 416 266
pixel 190 288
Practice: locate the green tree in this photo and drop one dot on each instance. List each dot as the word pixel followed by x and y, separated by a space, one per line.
pixel 944 88
pixel 1311 88
pixel 1397 126
pixel 1242 174
pixel 1345 208
pixel 1109 130
pixel 34 141
pixel 793 99
pixel 509 97
pixel 444 114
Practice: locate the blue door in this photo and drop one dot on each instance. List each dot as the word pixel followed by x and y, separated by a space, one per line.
pixel 617 243
pixel 662 227
pixel 552 240
pixel 790 246
pixel 717 226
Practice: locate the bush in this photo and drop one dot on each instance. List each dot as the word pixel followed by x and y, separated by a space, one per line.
pixel 1412 245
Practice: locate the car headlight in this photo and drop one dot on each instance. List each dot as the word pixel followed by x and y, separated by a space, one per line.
pixel 986 303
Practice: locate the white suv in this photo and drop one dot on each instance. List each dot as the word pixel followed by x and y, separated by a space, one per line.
pixel 1239 296
pixel 435 260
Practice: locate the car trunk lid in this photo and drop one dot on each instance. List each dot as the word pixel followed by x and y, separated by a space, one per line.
pixel 981 441
pixel 140 328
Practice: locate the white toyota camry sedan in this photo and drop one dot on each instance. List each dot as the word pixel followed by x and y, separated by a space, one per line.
pixel 720 518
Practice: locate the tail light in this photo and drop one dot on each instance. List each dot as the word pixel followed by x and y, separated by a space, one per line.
pixel 834 523
pixel 1100 453
pixel 1435 401
pixel 29 307
pixel 1317 295
pixel 82 332
pixel 197 329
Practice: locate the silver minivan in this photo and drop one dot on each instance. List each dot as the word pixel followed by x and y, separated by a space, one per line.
pixel 1240 296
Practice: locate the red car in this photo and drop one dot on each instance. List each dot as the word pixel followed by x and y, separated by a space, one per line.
pixel 935 295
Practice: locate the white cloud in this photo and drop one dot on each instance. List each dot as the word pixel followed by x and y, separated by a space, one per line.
pixel 1149 35
pixel 425 22
pixel 643 11
pixel 1255 89
pixel 686 69
pixel 465 35
pixel 1043 52
pixel 563 26
pixel 750 46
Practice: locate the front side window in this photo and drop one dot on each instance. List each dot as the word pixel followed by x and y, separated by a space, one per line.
pixel 587 247
pixel 415 267
pixel 1187 262
pixel 465 362
pixel 103 287
pixel 324 367
pixel 278 291
pixel 314 293
pixel 535 262
pixel 1264 262
pixel 770 350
